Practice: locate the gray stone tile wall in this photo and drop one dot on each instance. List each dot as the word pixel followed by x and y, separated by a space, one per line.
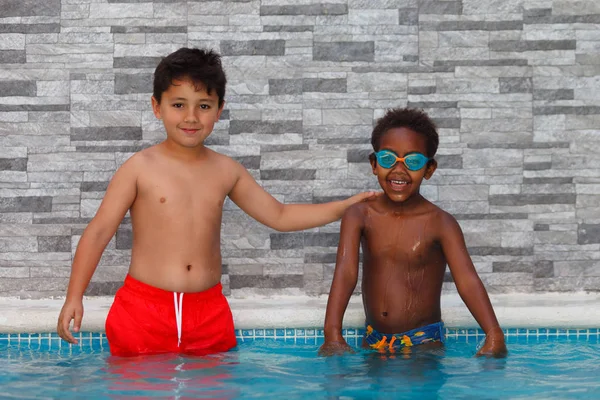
pixel 513 85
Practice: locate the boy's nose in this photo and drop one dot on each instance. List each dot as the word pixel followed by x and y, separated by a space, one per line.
pixel 191 117
pixel 400 165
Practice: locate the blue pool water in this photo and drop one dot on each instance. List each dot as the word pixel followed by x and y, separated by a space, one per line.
pixel 538 366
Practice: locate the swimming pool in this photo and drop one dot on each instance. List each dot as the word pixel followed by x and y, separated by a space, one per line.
pixel 282 363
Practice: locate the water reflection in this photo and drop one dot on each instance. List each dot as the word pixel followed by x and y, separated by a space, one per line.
pixel 410 374
pixel 170 375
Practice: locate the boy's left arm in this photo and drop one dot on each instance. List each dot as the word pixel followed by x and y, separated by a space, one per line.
pixel 263 207
pixel 470 287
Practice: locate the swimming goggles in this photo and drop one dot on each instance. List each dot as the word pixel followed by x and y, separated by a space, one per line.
pixel 414 161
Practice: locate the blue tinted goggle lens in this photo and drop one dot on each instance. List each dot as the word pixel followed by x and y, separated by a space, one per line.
pixel 413 162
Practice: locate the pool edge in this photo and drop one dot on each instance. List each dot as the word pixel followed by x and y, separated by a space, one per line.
pixel 548 310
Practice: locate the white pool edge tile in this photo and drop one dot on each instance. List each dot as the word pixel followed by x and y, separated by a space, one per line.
pixel 548 310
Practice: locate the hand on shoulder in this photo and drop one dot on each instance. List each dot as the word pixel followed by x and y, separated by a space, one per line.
pixel 364 197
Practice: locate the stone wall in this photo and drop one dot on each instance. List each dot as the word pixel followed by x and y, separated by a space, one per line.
pixel 513 85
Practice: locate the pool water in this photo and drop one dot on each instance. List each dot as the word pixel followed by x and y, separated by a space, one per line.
pixel 537 367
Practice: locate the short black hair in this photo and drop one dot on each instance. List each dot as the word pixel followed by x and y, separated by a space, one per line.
pixel 202 67
pixel 411 118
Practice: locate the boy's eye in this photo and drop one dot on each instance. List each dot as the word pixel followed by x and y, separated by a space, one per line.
pixel 388 158
pixel 204 106
pixel 178 105
pixel 412 160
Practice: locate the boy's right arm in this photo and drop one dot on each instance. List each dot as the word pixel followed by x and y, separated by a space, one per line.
pixel 119 197
pixel 247 194
pixel 344 281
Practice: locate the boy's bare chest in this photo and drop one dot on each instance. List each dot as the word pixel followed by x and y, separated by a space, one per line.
pixel 401 240
pixel 165 189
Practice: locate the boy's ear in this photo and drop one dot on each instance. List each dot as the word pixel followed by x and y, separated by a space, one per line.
pixel 373 161
pixel 431 167
pixel 220 111
pixel 155 107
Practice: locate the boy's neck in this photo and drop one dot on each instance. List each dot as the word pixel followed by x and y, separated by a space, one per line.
pixel 183 153
pixel 410 205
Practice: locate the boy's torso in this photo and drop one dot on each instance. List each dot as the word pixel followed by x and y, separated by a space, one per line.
pixel 403 268
pixel 176 220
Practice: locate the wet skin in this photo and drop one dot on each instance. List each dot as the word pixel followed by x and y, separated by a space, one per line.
pixel 403 268
pixel 406 242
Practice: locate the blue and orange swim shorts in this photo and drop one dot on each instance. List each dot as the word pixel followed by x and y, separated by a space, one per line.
pixel 397 341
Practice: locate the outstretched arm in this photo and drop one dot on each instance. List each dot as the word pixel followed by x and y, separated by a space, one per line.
pixel 344 282
pixel 263 207
pixel 119 196
pixel 470 287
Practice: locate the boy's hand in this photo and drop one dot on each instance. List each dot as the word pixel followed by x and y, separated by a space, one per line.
pixel 71 310
pixel 494 345
pixel 335 348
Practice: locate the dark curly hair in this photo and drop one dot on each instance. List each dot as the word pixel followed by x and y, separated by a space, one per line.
pixel 202 67
pixel 412 118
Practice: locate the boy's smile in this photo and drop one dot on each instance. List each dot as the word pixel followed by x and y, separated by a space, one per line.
pixel 188 112
pixel 398 182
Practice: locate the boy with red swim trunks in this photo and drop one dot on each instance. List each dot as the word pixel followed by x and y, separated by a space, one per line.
pixel 172 300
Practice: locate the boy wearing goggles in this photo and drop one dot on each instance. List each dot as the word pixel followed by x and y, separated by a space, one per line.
pixel 406 242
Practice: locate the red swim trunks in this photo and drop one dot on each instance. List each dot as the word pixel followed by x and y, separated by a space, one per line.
pixel 147 320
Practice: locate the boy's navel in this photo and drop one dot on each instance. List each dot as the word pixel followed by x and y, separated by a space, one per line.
pixel 163 199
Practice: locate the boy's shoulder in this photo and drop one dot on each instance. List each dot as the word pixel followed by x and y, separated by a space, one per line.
pixel 145 161
pixel 144 155
pixel 224 165
pixel 438 214
pixel 442 221
pixel 138 159
pixel 220 157
pixel 360 209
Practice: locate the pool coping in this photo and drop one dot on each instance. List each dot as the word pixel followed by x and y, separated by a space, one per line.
pixel 515 310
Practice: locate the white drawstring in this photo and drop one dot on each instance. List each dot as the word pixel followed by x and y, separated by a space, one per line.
pixel 178 310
